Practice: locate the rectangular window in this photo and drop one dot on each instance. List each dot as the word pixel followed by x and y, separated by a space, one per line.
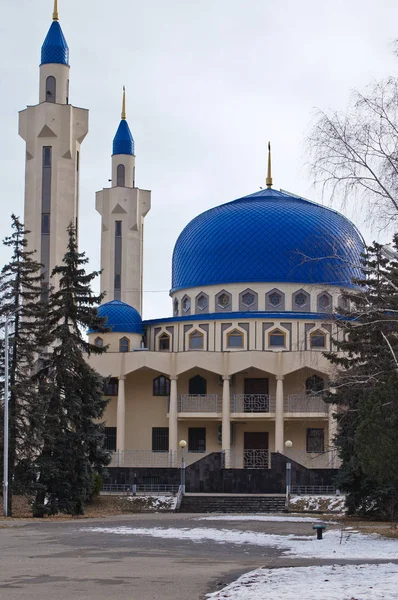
pixel 197 439
pixel 47 156
pixel 111 387
pixel 45 223
pixel 117 282
pixel 110 438
pixel 118 229
pixel 160 439
pixel 315 440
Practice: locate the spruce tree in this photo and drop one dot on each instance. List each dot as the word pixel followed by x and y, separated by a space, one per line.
pixel 366 388
pixel 73 447
pixel 20 293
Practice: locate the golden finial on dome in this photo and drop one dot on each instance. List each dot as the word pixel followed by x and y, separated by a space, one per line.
pixel 55 13
pixel 268 181
pixel 124 104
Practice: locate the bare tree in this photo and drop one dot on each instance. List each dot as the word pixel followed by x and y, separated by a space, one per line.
pixel 354 155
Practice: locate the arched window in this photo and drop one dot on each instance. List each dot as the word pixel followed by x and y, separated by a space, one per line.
pixel 124 345
pixel 196 340
pixel 318 339
pixel 277 339
pixel 314 385
pixel 161 386
pixel 235 339
pixel 99 342
pixel 121 176
pixel 175 307
pixel 197 385
pixel 51 89
pixel 164 342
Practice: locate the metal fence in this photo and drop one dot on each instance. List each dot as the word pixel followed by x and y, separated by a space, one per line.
pixel 305 403
pixel 142 488
pixel 313 490
pixel 252 403
pixel 199 403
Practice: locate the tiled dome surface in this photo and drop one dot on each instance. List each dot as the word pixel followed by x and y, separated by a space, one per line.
pixel 123 142
pixel 121 317
pixel 55 49
pixel 268 236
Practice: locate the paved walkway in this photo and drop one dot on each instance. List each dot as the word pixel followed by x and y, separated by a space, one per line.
pixel 46 560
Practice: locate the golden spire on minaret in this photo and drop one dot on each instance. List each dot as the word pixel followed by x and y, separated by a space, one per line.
pixel 268 181
pixel 124 104
pixel 55 13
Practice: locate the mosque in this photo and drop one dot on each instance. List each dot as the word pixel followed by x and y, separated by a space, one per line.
pixel 236 373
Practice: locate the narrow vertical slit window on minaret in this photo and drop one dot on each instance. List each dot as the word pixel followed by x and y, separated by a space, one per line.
pixel 121 176
pixel 77 191
pixel 46 213
pixel 118 260
pixel 51 89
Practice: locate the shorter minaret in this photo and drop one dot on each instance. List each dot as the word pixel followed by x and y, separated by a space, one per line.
pixel 123 208
pixel 268 180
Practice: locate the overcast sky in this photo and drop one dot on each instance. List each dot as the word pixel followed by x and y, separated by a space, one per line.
pixel 208 82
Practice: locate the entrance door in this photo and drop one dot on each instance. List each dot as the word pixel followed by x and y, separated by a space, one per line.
pixel 255 453
pixel 256 397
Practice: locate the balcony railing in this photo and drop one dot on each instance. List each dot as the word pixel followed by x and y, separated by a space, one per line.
pixel 199 403
pixel 252 403
pixel 246 459
pixel 305 403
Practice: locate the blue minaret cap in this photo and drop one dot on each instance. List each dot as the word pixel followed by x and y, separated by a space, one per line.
pixel 55 48
pixel 123 142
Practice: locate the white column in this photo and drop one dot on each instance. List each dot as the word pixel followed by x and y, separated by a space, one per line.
pixel 226 420
pixel 173 422
pixel 121 417
pixel 279 424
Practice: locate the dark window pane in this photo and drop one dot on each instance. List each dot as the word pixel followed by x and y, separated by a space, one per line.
pixel 51 88
pixel 110 439
pixel 277 339
pixel 196 439
pixel 124 345
pixel 315 440
pixel 111 387
pixel 197 385
pixel 164 342
pixel 45 224
pixel 318 340
pixel 160 439
pixel 120 176
pixel 314 384
pixel 117 282
pixel 196 341
pixel 235 340
pixel 118 228
pixel 161 386
pixel 47 156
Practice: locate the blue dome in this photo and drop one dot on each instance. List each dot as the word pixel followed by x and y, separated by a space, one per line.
pixel 55 49
pixel 123 142
pixel 269 236
pixel 121 317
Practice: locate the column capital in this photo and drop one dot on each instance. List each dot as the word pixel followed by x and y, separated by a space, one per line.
pixel 173 377
pixel 279 377
pixel 226 377
pixel 122 377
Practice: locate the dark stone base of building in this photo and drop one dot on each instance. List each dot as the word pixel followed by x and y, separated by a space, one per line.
pixel 208 476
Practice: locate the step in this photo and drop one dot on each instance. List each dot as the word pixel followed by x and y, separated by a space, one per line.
pixel 237 504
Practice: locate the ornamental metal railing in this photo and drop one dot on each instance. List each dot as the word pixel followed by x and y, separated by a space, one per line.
pixel 313 490
pixel 246 459
pixel 143 458
pixel 252 403
pixel 199 403
pixel 305 403
pixel 140 488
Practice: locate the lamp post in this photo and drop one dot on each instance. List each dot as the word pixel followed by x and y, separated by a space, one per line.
pixel 288 445
pixel 182 445
pixel 6 415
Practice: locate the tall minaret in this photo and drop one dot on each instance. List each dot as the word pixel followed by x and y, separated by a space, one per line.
pixel 53 131
pixel 123 208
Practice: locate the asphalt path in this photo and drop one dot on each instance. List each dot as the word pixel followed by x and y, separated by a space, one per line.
pixel 51 560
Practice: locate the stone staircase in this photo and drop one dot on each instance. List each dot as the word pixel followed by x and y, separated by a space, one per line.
pixel 232 503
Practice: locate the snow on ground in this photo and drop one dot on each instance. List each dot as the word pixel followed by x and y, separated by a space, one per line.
pixel 255 517
pixel 350 582
pixel 154 502
pixel 336 543
pixel 335 504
